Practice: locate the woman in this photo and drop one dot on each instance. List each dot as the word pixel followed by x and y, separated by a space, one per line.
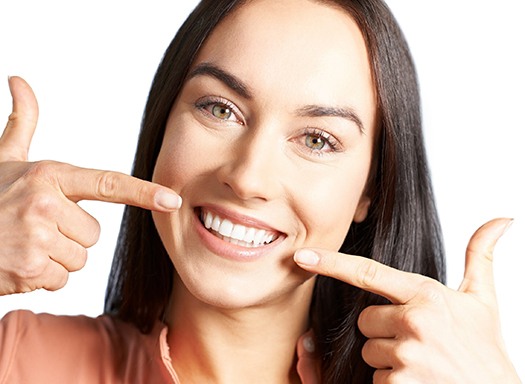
pixel 336 118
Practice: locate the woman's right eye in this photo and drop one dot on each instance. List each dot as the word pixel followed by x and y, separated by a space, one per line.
pixel 219 108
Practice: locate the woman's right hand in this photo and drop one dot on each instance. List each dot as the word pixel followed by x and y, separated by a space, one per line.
pixel 44 234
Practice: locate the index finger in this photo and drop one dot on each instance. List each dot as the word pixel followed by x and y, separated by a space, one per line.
pixel 92 184
pixel 397 286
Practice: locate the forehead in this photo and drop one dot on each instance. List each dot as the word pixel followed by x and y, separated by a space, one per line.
pixel 298 48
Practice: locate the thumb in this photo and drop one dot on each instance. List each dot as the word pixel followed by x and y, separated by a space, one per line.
pixel 15 141
pixel 479 278
pixel 308 361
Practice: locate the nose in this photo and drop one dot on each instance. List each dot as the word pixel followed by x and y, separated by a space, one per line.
pixel 252 170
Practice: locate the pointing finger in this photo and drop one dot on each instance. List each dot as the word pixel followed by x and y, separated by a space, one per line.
pixel 397 286
pixel 115 187
pixel 16 139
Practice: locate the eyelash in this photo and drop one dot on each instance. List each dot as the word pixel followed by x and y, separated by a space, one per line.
pixel 330 140
pixel 210 101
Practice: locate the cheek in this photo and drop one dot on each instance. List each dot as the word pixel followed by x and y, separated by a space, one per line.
pixel 177 167
pixel 328 208
pixel 177 162
pixel 171 169
pixel 328 224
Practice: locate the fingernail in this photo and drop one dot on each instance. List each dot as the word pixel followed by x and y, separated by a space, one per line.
pixel 507 227
pixel 168 200
pixel 308 344
pixel 306 257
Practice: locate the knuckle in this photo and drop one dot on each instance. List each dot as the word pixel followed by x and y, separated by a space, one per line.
pixel 90 232
pixel 79 259
pixel 107 185
pixel 363 318
pixel 39 203
pixel 405 354
pixel 12 118
pixel 413 321
pixel 383 376
pixel 485 251
pixel 39 239
pixel 431 291
pixel 36 193
pixel 367 273
pixel 396 376
pixel 44 169
pixel 33 266
pixel 59 282
pixel 368 351
pixel 95 234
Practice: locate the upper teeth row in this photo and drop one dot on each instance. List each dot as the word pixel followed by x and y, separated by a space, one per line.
pixel 226 228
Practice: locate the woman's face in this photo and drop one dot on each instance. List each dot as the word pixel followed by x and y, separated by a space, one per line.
pixel 270 145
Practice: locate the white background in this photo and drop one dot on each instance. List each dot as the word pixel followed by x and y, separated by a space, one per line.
pixel 91 67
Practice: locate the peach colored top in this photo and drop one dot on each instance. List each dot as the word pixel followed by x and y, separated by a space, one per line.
pixel 46 348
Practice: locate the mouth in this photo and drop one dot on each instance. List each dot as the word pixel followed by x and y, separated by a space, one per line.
pixel 243 235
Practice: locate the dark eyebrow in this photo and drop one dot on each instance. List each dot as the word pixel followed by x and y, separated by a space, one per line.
pixel 321 111
pixel 239 87
pixel 234 83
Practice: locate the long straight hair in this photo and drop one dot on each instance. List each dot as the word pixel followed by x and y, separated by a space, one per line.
pixel 402 229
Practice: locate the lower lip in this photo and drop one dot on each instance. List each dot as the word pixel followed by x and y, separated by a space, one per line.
pixel 232 251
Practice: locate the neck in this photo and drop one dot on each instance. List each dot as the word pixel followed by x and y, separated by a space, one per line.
pixel 255 345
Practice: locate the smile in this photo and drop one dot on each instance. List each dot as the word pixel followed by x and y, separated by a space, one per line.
pixel 234 233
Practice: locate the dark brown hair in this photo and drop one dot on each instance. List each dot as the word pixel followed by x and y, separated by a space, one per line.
pixel 402 229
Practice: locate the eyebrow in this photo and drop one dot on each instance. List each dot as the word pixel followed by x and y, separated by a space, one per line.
pixel 239 87
pixel 233 82
pixel 324 111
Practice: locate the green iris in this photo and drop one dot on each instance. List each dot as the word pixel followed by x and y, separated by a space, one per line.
pixel 221 111
pixel 314 142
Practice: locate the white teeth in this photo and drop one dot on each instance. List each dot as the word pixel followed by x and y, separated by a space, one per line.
pixel 216 223
pixel 268 238
pixel 226 228
pixel 259 235
pixel 208 220
pixel 250 235
pixel 236 233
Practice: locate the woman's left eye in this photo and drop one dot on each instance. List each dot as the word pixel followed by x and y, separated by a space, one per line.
pixel 318 141
pixel 219 108
pixel 315 143
pixel 221 111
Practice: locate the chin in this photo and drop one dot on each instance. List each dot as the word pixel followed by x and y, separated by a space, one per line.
pixel 236 290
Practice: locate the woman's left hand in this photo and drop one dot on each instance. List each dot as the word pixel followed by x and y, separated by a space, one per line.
pixel 430 333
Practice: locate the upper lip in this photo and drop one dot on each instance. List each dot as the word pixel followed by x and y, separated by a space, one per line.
pixel 238 218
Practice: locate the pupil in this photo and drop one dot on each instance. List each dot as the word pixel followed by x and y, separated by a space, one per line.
pixel 221 112
pixel 314 142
